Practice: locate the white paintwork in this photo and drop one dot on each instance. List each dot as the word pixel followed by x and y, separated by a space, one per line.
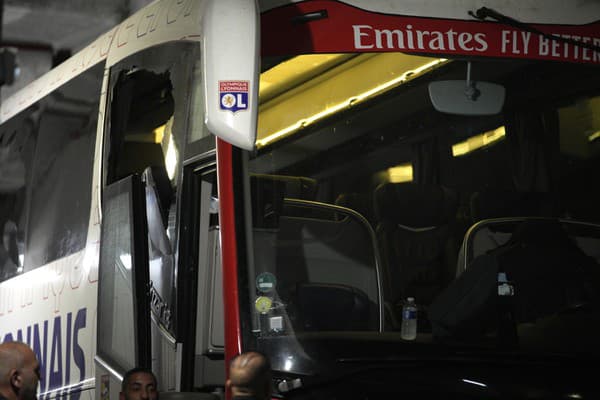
pixel 47 295
pixel 160 22
pixel 64 286
pixel 228 32
pixel 231 55
pixel 165 21
pixel 80 62
pixel 38 303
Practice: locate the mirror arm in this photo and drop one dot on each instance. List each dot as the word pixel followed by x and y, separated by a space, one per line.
pixel 471 92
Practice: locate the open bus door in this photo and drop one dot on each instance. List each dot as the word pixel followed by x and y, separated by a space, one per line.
pixel 166 100
pixel 123 306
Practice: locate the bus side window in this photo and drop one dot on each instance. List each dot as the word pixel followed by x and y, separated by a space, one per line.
pixel 17 147
pixel 142 105
pixel 46 157
pixel 61 182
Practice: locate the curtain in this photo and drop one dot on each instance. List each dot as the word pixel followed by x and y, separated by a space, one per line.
pixel 533 139
pixel 425 161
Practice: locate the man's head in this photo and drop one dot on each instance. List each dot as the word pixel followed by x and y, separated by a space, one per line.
pixel 19 371
pixel 139 384
pixel 250 375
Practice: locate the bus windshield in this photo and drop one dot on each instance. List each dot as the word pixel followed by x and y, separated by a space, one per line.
pixel 362 195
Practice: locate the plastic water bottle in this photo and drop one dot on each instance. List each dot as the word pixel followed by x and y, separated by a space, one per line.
pixel 408 330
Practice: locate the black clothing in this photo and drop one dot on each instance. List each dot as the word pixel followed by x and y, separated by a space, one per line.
pixel 244 397
pixel 550 274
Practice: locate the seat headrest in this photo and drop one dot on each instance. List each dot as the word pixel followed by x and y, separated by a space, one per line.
pixel 267 201
pixel 415 205
pixel 497 203
pixel 268 192
pixel 360 202
pixel 295 187
pixel 543 232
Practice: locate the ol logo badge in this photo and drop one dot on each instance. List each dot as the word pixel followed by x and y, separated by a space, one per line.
pixel 233 95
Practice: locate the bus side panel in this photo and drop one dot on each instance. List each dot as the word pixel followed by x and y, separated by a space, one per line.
pixel 50 300
pixel 53 310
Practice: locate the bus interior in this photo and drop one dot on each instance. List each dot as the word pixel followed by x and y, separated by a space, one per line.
pixel 363 195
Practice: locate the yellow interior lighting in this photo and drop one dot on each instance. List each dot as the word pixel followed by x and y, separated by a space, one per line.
pixel 400 173
pixel 579 126
pixel 295 71
pixel 169 147
pixel 159 133
pixel 478 141
pixel 338 88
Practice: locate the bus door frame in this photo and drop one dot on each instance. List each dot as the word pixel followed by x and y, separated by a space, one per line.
pixel 109 370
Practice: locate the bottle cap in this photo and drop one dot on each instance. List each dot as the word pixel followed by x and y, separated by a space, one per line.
pixel 410 299
pixel 502 277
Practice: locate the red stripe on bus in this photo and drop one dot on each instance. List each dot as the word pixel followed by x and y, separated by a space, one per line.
pixel 233 342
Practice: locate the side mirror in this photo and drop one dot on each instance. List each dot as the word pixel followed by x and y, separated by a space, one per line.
pixel 467 97
pixel 456 97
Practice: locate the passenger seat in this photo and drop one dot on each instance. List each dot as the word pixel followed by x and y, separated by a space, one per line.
pixel 487 231
pixel 362 203
pixel 415 238
pixel 549 272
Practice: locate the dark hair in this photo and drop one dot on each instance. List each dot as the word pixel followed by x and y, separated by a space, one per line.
pixel 136 370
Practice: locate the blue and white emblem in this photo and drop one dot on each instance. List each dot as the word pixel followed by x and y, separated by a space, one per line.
pixel 233 95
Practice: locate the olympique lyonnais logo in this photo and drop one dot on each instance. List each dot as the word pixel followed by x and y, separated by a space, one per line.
pixel 233 95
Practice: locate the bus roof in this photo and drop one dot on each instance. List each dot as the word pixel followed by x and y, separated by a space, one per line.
pixel 160 22
pixel 166 21
pixel 203 21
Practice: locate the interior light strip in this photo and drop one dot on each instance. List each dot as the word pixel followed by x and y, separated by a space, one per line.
pixel 478 141
pixel 350 102
pixel 400 173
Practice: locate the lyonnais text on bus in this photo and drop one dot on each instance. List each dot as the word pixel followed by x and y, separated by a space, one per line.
pixel 384 198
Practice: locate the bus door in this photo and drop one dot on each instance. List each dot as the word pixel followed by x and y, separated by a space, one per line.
pixel 147 128
pixel 162 103
pixel 123 314
pixel 200 260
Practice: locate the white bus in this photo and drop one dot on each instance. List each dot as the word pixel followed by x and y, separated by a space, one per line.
pixel 215 176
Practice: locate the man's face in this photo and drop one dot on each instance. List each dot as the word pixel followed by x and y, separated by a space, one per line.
pixel 30 376
pixel 141 386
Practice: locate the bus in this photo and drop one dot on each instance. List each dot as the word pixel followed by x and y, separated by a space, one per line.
pixel 385 198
